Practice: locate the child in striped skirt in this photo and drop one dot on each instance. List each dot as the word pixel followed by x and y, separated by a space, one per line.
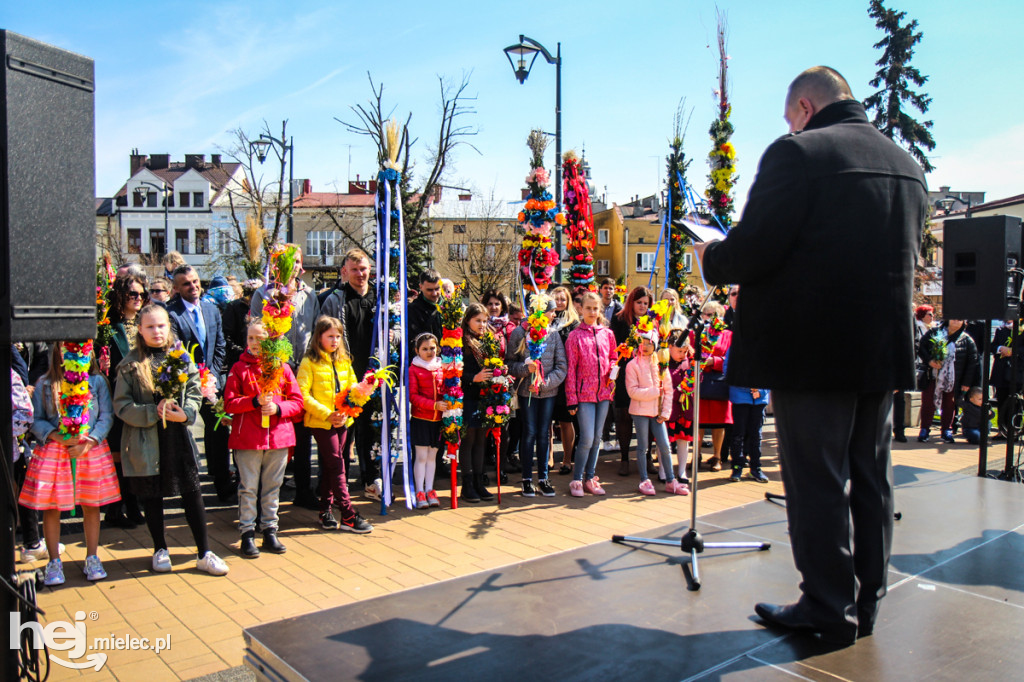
pixel 51 485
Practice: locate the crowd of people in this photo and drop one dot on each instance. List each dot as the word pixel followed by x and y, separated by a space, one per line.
pixel 582 390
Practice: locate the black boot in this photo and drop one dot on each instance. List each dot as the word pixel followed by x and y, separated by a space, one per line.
pixel 481 489
pixel 271 543
pixel 469 493
pixel 249 548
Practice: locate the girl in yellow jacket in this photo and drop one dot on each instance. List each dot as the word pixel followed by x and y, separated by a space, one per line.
pixel 325 370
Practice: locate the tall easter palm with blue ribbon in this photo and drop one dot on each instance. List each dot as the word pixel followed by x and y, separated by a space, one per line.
pixel 389 346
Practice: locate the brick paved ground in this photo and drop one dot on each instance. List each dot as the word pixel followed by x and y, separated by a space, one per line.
pixel 205 615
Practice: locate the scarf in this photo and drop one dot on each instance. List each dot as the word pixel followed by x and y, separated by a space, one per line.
pixel 431 366
pixel 945 378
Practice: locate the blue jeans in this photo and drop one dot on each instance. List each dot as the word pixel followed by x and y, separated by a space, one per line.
pixel 645 427
pixel 591 418
pixel 536 415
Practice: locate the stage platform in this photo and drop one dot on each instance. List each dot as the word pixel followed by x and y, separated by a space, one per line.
pixel 610 611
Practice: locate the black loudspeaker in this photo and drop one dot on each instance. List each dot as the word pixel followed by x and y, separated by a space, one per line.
pixel 47 193
pixel 978 255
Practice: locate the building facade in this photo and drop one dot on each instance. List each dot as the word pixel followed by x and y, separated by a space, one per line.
pixel 165 205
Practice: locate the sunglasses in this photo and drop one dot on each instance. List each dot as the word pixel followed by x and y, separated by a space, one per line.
pixel 158 291
pixel 136 294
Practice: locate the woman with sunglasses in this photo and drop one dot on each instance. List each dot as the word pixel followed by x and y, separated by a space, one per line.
pixel 127 297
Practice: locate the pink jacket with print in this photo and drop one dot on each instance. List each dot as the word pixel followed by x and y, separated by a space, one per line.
pixel 650 395
pixel 590 354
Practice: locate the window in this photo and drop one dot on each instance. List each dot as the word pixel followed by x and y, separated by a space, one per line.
pixel 458 251
pixel 602 237
pixel 324 243
pixel 151 200
pixel 203 241
pixel 183 199
pixel 134 241
pixel 602 267
pixel 459 229
pixel 181 241
pixel 137 200
pixel 687 262
pixel 157 242
pixel 197 200
pixel 645 261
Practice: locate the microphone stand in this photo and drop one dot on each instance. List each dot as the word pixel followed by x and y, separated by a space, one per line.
pixel 692 542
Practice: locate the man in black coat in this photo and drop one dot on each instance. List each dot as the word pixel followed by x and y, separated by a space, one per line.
pixel 198 323
pixel 424 316
pixel 832 224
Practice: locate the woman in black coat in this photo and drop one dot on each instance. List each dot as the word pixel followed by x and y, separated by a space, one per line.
pixel 128 296
pixel 954 369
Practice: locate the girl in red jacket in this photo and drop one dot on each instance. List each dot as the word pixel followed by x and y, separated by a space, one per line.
pixel 425 384
pixel 260 453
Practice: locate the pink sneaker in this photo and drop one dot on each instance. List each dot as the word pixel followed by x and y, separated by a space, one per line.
pixel 676 488
pixel 576 488
pixel 593 487
pixel 646 487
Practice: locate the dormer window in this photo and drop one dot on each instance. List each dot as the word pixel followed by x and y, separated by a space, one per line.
pixel 184 199
pixel 197 199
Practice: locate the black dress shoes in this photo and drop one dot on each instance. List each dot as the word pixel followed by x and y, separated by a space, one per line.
pixel 790 617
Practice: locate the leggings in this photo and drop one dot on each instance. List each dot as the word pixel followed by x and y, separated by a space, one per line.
pixel 624 430
pixel 424 468
pixel 471 451
pixel 195 514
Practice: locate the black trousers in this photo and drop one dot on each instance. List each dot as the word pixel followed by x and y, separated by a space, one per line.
pixel 218 456
pixel 745 435
pixel 834 448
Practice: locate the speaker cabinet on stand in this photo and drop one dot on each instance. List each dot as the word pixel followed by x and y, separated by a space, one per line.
pixel 981 281
pixel 47 232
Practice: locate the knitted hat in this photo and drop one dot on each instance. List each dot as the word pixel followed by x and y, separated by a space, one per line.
pixel 218 281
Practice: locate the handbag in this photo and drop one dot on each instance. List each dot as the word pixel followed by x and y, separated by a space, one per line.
pixel 713 386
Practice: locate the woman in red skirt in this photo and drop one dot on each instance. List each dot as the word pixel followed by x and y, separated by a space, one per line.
pixel 51 485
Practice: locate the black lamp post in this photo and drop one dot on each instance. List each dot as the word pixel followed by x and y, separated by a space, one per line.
pixel 526 51
pixel 260 148
pixel 167 200
pixel 949 200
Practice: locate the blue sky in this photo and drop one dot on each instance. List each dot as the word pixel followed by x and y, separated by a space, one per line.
pixel 176 77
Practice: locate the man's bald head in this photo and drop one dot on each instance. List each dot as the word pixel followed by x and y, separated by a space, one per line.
pixel 812 91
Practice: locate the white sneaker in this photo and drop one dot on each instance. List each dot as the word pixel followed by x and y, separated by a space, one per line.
pixel 161 561
pixel 610 446
pixel 212 564
pixel 38 553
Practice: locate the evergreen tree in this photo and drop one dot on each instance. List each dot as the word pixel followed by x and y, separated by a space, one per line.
pixel 896 76
pixel 677 164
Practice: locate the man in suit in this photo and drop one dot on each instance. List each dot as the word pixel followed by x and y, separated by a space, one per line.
pixel 835 213
pixel 197 324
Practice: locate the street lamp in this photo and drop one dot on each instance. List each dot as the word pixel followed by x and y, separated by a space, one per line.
pixel 142 193
pixel 260 148
pixel 948 201
pixel 528 49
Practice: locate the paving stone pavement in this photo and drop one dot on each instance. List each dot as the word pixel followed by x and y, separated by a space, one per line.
pixel 204 615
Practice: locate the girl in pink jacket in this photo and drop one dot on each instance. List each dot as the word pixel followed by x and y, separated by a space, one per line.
pixel 590 355
pixel 650 406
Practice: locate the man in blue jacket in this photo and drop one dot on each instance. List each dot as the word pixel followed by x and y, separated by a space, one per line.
pixel 197 325
pixel 835 214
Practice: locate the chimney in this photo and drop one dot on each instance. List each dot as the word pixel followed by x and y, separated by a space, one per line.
pixel 526 194
pixel 944 189
pixel 195 161
pixel 159 161
pixel 136 162
pixel 215 160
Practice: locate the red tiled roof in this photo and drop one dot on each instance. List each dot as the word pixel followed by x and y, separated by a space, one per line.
pixel 1009 201
pixel 217 175
pixel 334 200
